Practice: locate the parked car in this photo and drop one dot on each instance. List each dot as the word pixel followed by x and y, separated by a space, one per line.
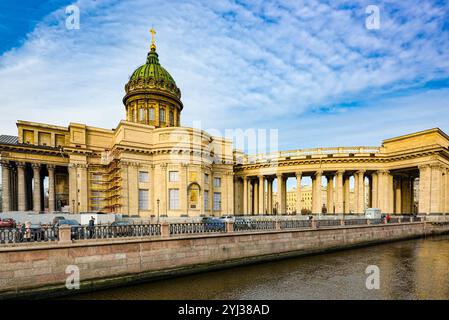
pixel 7 223
pixel 227 218
pixel 213 224
pixel 243 222
pixel 37 232
pixel 77 230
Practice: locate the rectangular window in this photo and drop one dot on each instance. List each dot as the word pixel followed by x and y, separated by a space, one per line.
pixel 143 199
pixel 206 200
pixel 206 178
pixel 151 114
pixel 141 114
pixel 217 182
pixel 172 118
pixel 217 201
pixel 173 196
pixel 162 115
pixel 143 176
pixel 173 176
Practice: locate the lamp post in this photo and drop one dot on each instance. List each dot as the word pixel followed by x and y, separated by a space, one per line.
pixel 157 210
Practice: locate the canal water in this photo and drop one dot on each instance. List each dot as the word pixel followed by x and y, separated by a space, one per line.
pixel 414 269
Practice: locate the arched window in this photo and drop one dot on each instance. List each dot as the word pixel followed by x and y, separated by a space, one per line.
pixel 172 118
pixel 161 115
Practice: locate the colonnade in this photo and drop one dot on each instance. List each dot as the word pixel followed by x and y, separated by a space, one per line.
pixel 389 191
pixel 23 186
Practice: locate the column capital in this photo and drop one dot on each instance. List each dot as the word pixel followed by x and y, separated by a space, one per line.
pixel 36 166
pixel 51 167
pixel 20 164
pixel 5 163
pixel 361 171
pixel 279 175
pixel 298 174
pixel 340 172
pixel 318 172
pixel 383 171
pixel 423 166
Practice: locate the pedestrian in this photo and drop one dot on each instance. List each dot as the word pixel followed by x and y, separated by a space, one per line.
pixel 91 227
pixel 388 218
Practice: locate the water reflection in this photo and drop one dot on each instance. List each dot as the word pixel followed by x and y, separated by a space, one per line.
pixel 415 269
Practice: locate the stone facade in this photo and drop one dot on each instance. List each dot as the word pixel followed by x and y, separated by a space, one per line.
pixel 406 174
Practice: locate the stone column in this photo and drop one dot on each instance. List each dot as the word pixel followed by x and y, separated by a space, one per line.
pixel 51 188
pixel 37 187
pixel 250 197
pixel 83 198
pixel 390 192
pixel 446 210
pixel 256 196
pixel 6 204
pixel 375 190
pixel 316 196
pixel 270 195
pixel 245 195
pixel 298 192
pixel 261 194
pixel 347 194
pixel 436 188
pixel 361 191
pixel 280 182
pixel 339 193
pixel 73 189
pixel 398 195
pixel 330 194
pixel 21 186
pixel 424 189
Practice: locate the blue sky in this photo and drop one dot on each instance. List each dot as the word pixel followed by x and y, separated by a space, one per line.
pixel 310 69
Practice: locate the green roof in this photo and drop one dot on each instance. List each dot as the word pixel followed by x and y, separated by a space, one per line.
pixel 153 69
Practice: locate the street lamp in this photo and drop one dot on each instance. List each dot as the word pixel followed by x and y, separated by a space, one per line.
pixel 157 210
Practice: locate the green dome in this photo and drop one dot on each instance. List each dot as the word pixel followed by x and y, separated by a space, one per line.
pixel 152 69
pixel 152 76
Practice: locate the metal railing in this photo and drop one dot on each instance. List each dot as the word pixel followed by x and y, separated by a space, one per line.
pixel 18 235
pixel 328 223
pixel 110 232
pixel 295 224
pixel 199 227
pixel 352 222
pixel 254 225
pixel 76 232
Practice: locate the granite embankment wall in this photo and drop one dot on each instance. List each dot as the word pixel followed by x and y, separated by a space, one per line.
pixel 39 269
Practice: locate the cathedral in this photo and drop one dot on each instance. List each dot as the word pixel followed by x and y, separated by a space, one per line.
pixel 150 165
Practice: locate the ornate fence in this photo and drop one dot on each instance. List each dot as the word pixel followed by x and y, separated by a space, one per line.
pixel 109 232
pixel 295 224
pixel 201 227
pixel 328 223
pixel 33 234
pixel 39 233
pixel 254 225
pixel 352 222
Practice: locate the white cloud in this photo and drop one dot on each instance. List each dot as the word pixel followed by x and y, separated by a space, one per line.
pixel 267 63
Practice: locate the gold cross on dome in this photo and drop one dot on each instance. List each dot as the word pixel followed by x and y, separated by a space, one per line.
pixel 153 32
